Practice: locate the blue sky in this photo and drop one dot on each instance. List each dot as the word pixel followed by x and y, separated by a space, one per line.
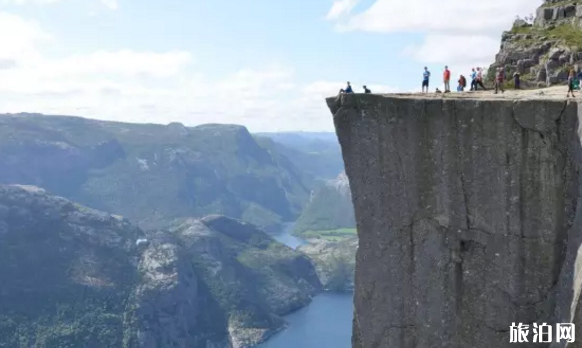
pixel 266 64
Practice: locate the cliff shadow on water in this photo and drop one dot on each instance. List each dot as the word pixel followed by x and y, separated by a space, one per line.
pixel 468 217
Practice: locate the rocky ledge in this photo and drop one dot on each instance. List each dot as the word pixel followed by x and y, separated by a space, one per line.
pixel 545 47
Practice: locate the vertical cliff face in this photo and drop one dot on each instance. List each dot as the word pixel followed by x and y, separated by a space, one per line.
pixel 468 216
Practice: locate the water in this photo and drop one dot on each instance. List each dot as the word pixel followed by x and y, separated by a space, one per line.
pixel 325 322
pixel 287 238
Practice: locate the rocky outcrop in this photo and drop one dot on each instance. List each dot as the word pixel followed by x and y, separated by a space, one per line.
pixel 219 282
pixel 544 49
pixel 468 214
pixel 75 277
pixel 66 271
pixel 334 262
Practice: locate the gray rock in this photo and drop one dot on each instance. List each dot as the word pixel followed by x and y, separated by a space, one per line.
pixel 469 217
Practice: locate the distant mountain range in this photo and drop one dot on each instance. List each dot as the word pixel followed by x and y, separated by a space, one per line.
pixel 152 173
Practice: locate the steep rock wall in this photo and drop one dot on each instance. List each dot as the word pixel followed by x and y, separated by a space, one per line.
pixel 467 216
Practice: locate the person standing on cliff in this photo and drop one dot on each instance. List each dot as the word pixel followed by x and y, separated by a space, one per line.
pixel 473 80
pixel 516 80
pixel 571 78
pixel 447 79
pixel 425 79
pixel 500 74
pixel 462 84
pixel 479 80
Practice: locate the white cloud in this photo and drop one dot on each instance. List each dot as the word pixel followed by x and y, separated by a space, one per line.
pixel 449 16
pixel 457 31
pixel 110 4
pixel 19 38
pixel 341 8
pixel 158 87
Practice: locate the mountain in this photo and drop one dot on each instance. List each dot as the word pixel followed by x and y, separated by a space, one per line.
pixel 330 208
pixel 317 154
pixel 67 272
pixel 544 47
pixel 335 262
pixel 152 174
pixel 76 277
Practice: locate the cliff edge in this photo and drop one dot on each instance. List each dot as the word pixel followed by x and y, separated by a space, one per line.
pixel 468 215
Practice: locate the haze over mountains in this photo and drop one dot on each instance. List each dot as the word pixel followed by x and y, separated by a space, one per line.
pixel 152 174
pixel 200 279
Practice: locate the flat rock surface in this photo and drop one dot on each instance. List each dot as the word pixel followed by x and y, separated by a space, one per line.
pixel 551 93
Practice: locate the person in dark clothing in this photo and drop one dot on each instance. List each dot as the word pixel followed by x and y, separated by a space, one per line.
pixel 348 89
pixel 462 84
pixel 366 90
pixel 571 78
pixel 425 79
pixel 499 77
pixel 516 80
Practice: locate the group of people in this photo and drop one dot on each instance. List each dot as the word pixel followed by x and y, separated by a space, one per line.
pixel 477 81
pixel 499 80
pixel 349 89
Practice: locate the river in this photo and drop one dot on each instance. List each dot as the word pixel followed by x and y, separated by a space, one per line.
pixel 325 322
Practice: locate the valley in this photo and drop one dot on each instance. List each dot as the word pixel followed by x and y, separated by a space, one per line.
pixel 202 273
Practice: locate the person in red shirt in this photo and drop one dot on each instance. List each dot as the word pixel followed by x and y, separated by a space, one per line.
pixel 447 79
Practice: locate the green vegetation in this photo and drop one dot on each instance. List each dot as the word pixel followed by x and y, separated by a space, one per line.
pixel 152 174
pixel 330 208
pixel 559 3
pixel 335 262
pixel 330 235
pixel 567 34
pixel 69 281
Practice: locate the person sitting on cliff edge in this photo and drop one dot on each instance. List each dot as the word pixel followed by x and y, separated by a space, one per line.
pixel 425 79
pixel 348 89
pixel 366 90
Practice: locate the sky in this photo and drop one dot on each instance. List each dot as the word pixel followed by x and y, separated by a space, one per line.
pixel 265 64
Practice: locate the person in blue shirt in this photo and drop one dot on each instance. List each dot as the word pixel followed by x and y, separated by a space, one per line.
pixel 425 79
pixel 473 80
pixel 348 89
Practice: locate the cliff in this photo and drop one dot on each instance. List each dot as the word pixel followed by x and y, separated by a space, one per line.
pixel 218 282
pixel 468 214
pixel 545 47
pixel 67 273
pixel 75 277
